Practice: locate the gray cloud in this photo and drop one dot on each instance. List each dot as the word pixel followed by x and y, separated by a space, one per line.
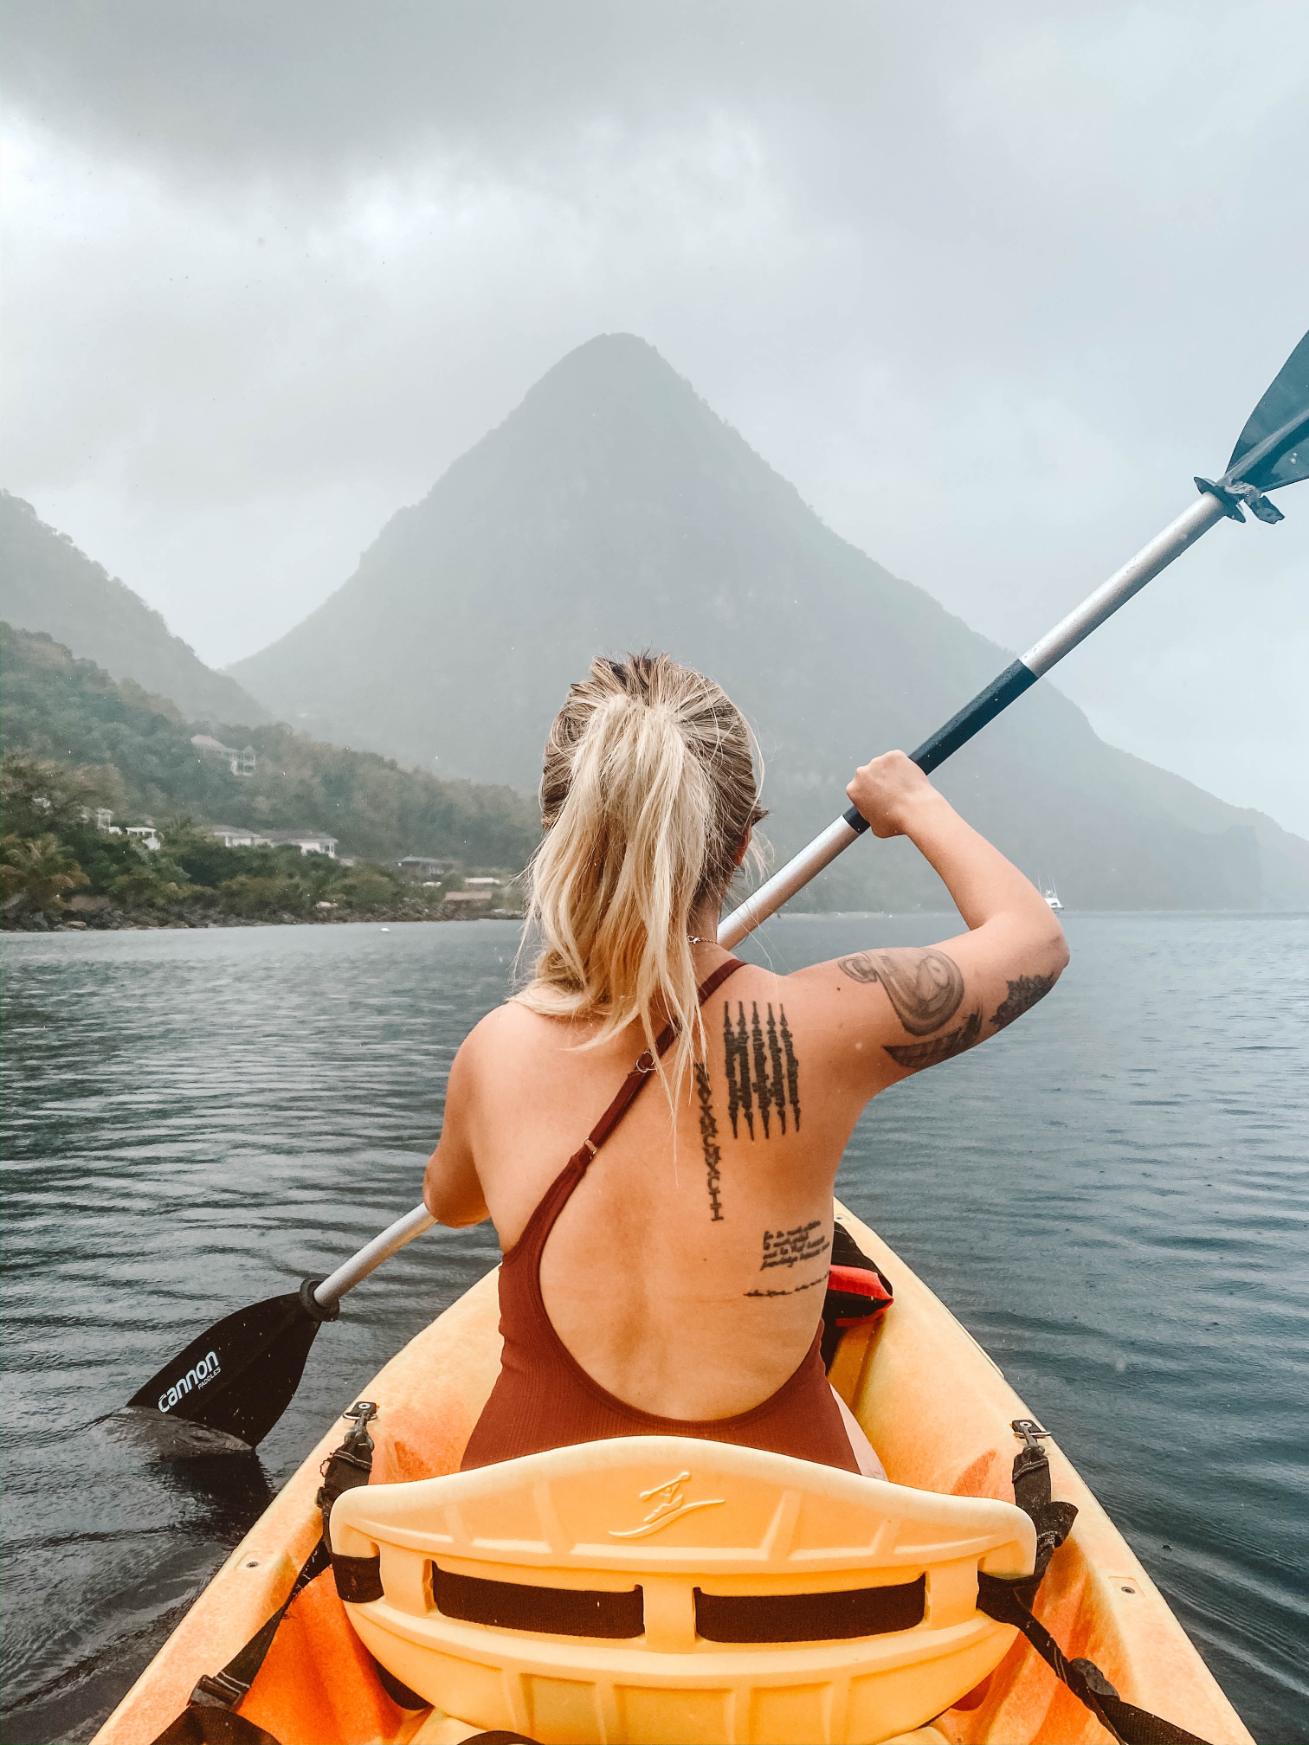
pixel 989 284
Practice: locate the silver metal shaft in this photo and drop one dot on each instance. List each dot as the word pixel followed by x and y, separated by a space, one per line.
pixel 783 885
pixel 395 1237
pixel 1176 538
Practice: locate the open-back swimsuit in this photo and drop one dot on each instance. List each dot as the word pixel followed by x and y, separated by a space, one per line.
pixel 543 1398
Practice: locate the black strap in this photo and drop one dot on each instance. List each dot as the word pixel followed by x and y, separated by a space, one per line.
pixel 210 1717
pixel 1009 1601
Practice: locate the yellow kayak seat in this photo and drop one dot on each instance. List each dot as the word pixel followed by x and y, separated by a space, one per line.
pixel 662 1590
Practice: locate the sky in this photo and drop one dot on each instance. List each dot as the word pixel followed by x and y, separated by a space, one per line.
pixel 989 284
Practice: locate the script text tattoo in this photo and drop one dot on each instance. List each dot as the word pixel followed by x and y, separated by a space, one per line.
pixel 790 1247
pixel 791 1290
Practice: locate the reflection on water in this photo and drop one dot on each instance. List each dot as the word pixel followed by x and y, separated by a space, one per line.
pixel 1113 1197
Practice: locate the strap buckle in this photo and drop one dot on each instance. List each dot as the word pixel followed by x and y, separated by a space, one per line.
pixel 645 1063
pixel 1031 1433
pixel 218 1690
pixel 361 1412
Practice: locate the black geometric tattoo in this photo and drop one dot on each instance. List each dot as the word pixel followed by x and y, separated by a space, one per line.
pixel 917 1055
pixel 794 1290
pixel 761 1085
pixel 713 1152
pixel 736 1047
pixel 1023 995
pixel 789 1247
pixel 763 1074
pixel 925 987
pixel 792 1068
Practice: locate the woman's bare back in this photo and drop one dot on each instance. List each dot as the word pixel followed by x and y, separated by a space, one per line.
pixel 685 1273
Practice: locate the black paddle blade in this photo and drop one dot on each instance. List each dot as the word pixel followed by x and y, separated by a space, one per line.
pixel 239 1376
pixel 1283 416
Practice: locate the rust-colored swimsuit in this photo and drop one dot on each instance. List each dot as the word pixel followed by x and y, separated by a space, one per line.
pixel 543 1398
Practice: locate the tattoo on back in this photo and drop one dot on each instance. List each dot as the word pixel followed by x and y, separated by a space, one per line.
pixel 789 1247
pixel 925 987
pixel 763 1074
pixel 713 1151
pixel 917 1055
pixel 1022 996
pixel 791 1290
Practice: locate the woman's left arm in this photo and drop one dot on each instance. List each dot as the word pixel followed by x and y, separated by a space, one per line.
pixel 452 1191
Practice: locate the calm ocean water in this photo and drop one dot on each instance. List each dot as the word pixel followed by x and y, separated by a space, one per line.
pixel 1114 1196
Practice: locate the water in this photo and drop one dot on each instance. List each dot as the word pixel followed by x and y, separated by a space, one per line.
pixel 1113 1197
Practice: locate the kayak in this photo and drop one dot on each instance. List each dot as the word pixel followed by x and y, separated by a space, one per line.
pixel 666 1601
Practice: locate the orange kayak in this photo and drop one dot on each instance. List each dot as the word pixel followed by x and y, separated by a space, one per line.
pixel 679 1539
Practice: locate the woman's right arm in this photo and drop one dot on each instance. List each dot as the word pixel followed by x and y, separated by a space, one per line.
pixel 901 1009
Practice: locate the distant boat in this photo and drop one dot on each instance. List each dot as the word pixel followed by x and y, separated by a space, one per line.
pixel 1051 896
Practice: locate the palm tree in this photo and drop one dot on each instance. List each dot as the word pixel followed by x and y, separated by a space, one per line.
pixel 37 872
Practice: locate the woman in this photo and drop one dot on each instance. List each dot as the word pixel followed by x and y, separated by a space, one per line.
pixel 670 1277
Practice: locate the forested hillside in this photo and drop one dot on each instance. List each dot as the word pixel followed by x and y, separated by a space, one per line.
pixel 139 752
pixel 47 584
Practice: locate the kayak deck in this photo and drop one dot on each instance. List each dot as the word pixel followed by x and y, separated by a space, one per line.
pixel 933 1404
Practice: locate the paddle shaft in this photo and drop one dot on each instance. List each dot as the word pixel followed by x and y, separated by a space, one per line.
pixel 1016 678
pixel 1009 685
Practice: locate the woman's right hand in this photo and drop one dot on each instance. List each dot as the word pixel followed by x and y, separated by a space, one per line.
pixel 886 791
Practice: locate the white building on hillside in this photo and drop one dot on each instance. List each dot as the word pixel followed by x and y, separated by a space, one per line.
pixel 241 763
pixel 307 841
pixel 237 836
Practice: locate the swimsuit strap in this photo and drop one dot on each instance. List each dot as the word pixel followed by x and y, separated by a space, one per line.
pixel 532 1238
pixel 635 1082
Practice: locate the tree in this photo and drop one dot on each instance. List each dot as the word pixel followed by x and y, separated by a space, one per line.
pixel 37 873
pixel 148 887
pixel 365 887
pixel 256 896
pixel 39 797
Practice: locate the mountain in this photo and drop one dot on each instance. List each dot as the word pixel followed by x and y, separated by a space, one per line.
pixel 47 584
pixel 138 751
pixel 613 510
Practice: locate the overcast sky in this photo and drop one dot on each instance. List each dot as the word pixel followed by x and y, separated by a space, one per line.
pixel 988 283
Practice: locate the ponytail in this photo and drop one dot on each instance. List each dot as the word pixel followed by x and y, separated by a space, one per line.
pixel 647 793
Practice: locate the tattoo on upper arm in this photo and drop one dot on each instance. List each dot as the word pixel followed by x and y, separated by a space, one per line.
pixel 763 1074
pixel 789 1247
pixel 917 1055
pixel 925 987
pixel 713 1151
pixel 1022 996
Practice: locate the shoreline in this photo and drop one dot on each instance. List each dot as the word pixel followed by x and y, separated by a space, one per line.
pixel 116 922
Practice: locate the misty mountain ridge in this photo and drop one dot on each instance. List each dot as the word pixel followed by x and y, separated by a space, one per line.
pixel 613 509
pixel 48 584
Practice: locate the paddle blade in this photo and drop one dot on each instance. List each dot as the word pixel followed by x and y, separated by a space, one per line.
pixel 239 1376
pixel 1283 409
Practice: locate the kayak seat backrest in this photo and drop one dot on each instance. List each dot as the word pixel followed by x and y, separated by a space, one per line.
pixel 660 1589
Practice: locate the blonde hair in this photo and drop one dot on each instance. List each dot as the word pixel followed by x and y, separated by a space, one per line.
pixel 647 794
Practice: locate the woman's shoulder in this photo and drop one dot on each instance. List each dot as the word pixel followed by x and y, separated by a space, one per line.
pixel 506 1028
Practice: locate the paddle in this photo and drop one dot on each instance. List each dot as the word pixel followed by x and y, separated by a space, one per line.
pixel 238 1377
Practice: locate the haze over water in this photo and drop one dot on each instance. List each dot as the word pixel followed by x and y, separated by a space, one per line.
pixel 1113 1197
